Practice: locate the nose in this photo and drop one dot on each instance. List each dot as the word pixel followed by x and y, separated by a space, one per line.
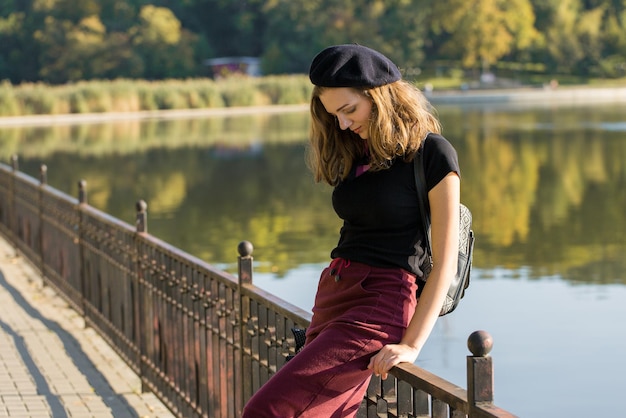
pixel 344 123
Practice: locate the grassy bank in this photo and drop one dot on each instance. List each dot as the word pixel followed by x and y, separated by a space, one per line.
pixel 88 97
pixel 139 95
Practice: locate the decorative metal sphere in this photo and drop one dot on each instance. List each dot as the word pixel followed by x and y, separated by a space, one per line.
pixel 245 248
pixel 141 206
pixel 480 343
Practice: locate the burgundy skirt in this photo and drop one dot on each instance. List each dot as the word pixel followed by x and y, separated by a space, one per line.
pixel 358 310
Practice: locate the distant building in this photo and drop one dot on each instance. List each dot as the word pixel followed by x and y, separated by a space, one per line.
pixel 226 66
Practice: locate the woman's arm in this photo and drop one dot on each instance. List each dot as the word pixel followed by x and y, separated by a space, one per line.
pixel 444 208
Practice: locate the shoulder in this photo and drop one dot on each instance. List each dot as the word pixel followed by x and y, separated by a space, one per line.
pixel 437 144
pixel 440 158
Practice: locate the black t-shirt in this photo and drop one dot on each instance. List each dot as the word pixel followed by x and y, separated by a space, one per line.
pixel 382 224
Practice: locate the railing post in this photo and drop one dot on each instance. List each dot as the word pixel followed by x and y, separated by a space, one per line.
pixel 82 191
pixel 43 180
pixel 479 371
pixel 141 227
pixel 43 174
pixel 245 249
pixel 142 216
pixel 245 259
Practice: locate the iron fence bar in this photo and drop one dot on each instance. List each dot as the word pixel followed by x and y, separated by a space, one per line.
pixel 43 181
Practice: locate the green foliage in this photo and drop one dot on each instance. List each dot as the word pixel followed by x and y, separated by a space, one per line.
pixel 8 102
pixel 208 92
pixel 285 89
pixel 36 99
pixel 166 98
pixel 238 91
pixel 157 26
pixel 230 27
pixel 481 32
pixel 613 66
pixel 397 28
pixel 60 41
pixel 124 95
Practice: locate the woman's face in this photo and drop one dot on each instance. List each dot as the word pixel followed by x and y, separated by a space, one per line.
pixel 351 108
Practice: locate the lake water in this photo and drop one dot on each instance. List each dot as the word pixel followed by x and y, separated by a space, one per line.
pixel 546 185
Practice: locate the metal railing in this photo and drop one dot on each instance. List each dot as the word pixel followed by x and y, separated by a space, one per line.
pixel 201 339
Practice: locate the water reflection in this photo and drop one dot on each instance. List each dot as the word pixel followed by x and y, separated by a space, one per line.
pixel 546 185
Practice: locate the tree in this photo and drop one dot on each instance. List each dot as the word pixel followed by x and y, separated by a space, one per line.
pixel 157 25
pixel 230 27
pixel 10 28
pixel 119 15
pixel 19 52
pixel 403 27
pixel 479 32
pixel 166 50
pixel 71 51
pixel 71 10
pixel 589 33
pixel 613 40
pixel 64 40
pixel 298 29
pixel 562 43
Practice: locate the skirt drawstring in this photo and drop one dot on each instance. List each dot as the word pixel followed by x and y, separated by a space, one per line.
pixel 337 265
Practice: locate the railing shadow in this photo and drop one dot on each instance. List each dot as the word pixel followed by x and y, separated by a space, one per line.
pixel 71 346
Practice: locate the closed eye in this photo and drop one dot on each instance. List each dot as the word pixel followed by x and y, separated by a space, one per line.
pixel 349 110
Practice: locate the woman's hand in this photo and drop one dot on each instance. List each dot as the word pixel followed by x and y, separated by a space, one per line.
pixel 389 356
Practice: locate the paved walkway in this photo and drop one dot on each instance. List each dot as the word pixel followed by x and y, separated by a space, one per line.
pixel 50 365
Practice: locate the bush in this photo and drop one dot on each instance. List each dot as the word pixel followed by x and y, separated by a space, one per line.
pixel 241 91
pixel 208 90
pixel 167 98
pixel 97 96
pixel 125 95
pixel 145 93
pixel 9 105
pixel 77 102
pixel 286 90
pixel 36 99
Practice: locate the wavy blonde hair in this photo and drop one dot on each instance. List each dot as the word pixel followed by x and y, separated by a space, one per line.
pixel 401 118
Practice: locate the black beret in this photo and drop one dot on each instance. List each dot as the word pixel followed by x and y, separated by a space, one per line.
pixel 352 65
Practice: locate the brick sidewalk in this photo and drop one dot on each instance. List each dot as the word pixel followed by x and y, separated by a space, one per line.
pixel 50 365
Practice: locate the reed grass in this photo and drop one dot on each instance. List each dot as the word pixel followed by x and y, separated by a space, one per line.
pixel 124 95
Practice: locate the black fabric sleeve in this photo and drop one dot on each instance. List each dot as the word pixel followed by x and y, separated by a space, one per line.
pixel 440 158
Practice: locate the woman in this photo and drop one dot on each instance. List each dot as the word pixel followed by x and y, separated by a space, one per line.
pixel 367 126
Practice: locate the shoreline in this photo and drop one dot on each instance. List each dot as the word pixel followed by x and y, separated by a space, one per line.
pixel 72 118
pixel 499 97
pixel 532 96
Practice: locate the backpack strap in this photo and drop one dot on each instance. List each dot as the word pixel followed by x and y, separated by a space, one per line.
pixel 422 194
